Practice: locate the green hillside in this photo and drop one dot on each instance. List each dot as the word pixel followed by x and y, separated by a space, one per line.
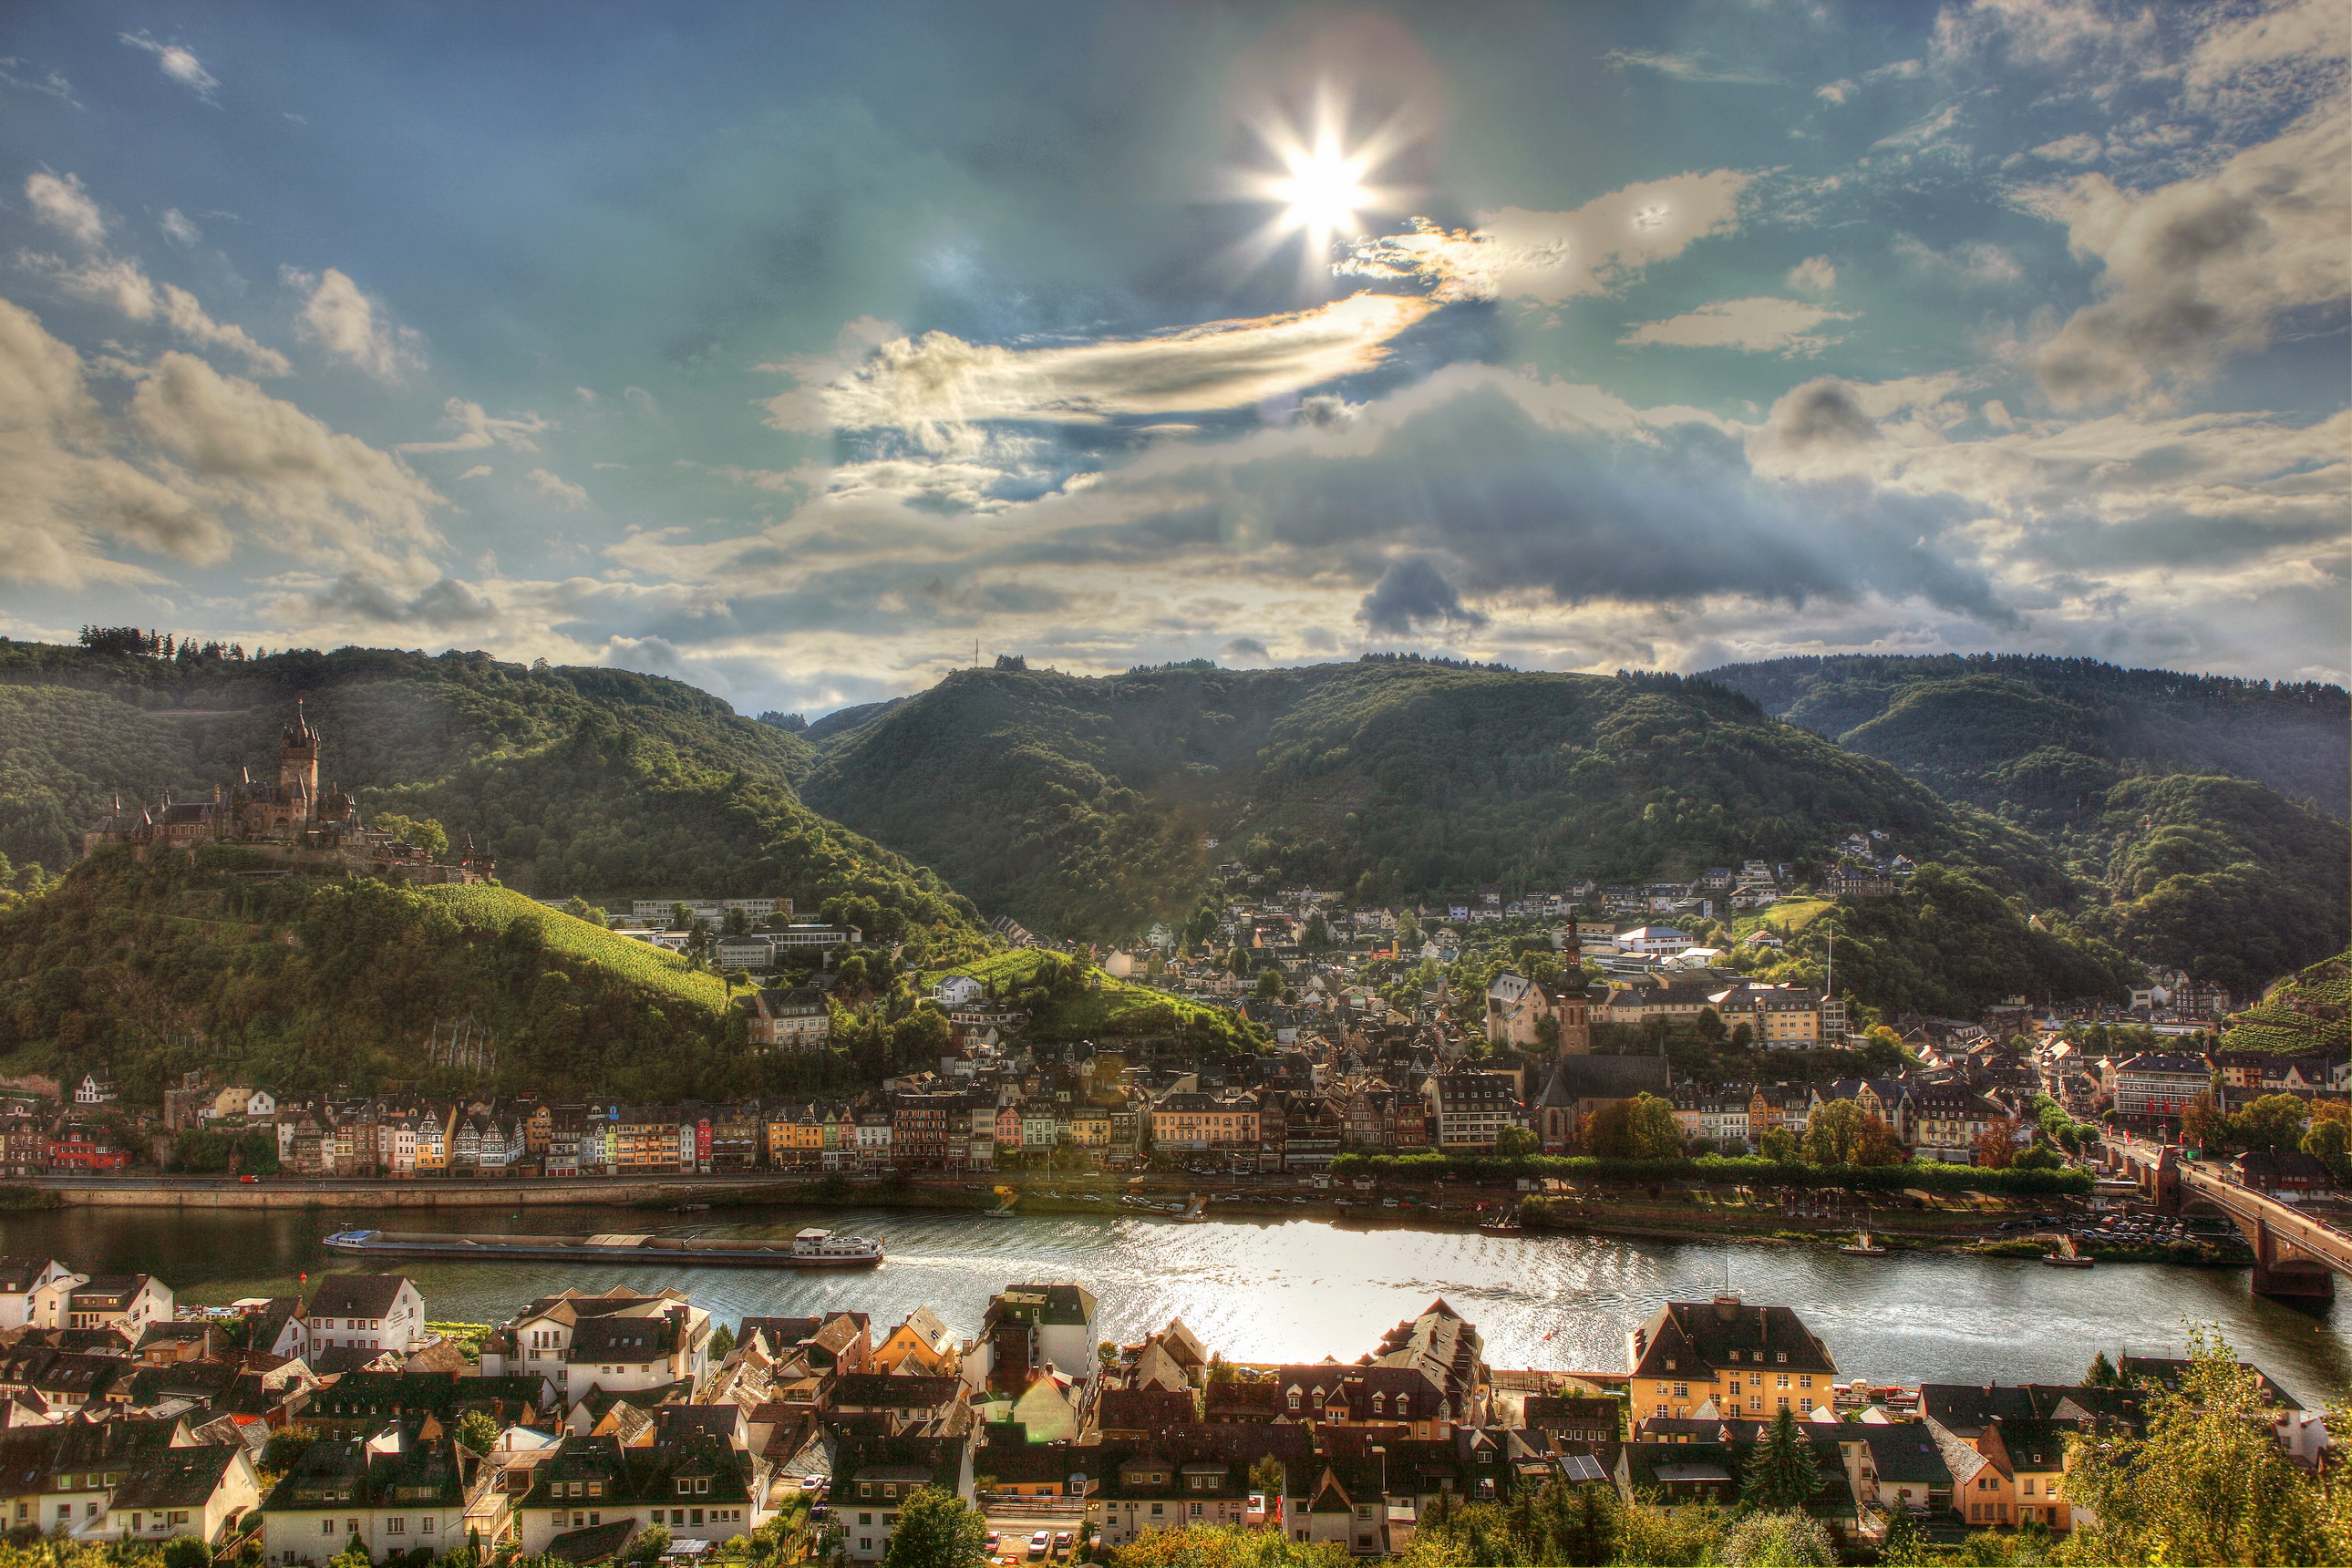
pixel 2049 736
pixel 596 782
pixel 2307 1015
pixel 1070 1000
pixel 2223 878
pixel 1081 805
pixel 308 982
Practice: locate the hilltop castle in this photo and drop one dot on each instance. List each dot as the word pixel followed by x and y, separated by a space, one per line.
pixel 291 819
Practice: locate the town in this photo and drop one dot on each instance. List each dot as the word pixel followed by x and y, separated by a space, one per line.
pixel 603 1427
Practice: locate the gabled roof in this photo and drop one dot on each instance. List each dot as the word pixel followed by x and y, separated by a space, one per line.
pixel 356 1295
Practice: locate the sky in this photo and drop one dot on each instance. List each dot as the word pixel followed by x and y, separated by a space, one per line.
pixel 806 353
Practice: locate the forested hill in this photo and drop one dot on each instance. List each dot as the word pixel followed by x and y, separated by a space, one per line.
pixel 600 781
pixel 1083 806
pixel 2049 736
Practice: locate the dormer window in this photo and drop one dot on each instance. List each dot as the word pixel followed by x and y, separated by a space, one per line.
pixel 1379 1404
pixel 1781 1357
pixel 1735 1355
pixel 1294 1399
pixel 1400 1405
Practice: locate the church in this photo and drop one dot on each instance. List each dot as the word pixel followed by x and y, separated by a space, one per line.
pixel 290 819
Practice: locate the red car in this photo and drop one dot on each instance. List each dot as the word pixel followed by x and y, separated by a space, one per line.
pixel 248 1178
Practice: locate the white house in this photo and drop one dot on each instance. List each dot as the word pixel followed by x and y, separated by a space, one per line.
pixel 956 990
pixel 1662 940
pixel 366 1311
pixel 21 1283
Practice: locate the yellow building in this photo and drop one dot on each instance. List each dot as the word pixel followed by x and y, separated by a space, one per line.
pixel 1749 1361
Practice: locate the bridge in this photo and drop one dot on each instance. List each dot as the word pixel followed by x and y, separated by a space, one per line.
pixel 2296 1257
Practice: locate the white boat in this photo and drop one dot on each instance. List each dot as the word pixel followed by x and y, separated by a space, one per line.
pixel 2067 1255
pixel 1862 1247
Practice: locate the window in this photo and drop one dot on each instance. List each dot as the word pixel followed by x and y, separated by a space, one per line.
pixel 1781 1357
pixel 327 1526
pixel 1804 1379
pixel 396 1526
pixel 1784 1383
pixel 1681 1391
pixel 1156 1510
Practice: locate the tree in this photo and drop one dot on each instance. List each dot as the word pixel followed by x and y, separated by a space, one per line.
pixel 1710 1025
pixel 1643 1128
pixel 651 1544
pixel 2203 1125
pixel 423 832
pixel 736 922
pixel 1902 1547
pixel 2330 1143
pixel 1223 1546
pixel 2103 1372
pixel 1515 1142
pixel 722 1342
pixel 1879 1145
pixel 1408 931
pixel 2273 1123
pixel 936 1529
pixel 1833 1133
pixel 1778 1143
pixel 1781 1473
pixel 477 1431
pixel 2208 1483
pixel 1790 1538
pixel 1995 1143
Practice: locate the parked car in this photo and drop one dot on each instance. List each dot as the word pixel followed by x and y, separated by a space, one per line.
pixel 1062 1539
pixel 1039 1544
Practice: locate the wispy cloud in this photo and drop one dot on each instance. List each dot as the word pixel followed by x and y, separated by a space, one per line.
pixel 177 62
pixel 60 202
pixel 1687 68
pixel 477 430
pixel 558 490
pixel 1760 325
pixel 28 77
pixel 1553 257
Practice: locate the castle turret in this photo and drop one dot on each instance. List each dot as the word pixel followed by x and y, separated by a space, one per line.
pixel 298 761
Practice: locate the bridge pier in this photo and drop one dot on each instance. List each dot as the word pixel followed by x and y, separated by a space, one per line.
pixel 2295 1281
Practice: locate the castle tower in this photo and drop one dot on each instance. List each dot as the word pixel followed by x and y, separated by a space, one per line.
pixel 298 761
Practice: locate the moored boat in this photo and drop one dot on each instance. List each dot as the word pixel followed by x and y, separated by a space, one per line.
pixel 812 1248
pixel 1863 1247
pixel 2068 1256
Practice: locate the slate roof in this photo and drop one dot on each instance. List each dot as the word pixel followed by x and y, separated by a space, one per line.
pixel 176 1478
pixel 356 1295
pixel 1706 1335
pixel 1579 1077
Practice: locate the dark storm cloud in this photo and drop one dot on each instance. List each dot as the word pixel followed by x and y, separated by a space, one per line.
pixel 1413 592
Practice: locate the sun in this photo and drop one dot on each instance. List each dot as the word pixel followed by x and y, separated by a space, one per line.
pixel 1320 190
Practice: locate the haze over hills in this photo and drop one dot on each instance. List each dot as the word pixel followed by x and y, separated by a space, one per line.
pixel 2049 736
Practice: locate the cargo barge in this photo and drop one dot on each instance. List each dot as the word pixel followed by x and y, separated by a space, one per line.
pixel 812 1248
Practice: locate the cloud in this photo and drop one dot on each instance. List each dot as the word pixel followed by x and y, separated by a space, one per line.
pixel 19 73
pixel 1835 91
pixel 180 228
pixel 477 430
pixel 188 319
pixel 1246 648
pixel 2197 270
pixel 1972 260
pixel 177 63
pixel 1553 257
pixel 114 282
pixel 1762 325
pixel 2081 147
pixel 63 205
pixel 479 470
pixel 69 488
pixel 1814 275
pixel 1413 592
pixel 442 605
pixel 935 386
pixel 1685 68
pixel 320 495
pixel 558 490
pixel 344 323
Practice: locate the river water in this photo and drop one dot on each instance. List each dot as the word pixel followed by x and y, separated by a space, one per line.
pixel 1295 1289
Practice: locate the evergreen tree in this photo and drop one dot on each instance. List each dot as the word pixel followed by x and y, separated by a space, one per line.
pixel 2103 1372
pixel 1781 1474
pixel 1903 1547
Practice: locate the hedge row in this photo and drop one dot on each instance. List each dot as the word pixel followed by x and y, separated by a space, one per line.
pixel 1748 1171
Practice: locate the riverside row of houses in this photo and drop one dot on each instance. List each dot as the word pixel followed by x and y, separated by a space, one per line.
pixel 588 1418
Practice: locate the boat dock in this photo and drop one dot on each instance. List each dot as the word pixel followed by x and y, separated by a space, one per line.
pixel 810 1249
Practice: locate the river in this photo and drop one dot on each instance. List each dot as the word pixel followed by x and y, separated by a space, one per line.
pixel 1296 1290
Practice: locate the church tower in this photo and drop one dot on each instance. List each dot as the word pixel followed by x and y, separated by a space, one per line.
pixel 298 762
